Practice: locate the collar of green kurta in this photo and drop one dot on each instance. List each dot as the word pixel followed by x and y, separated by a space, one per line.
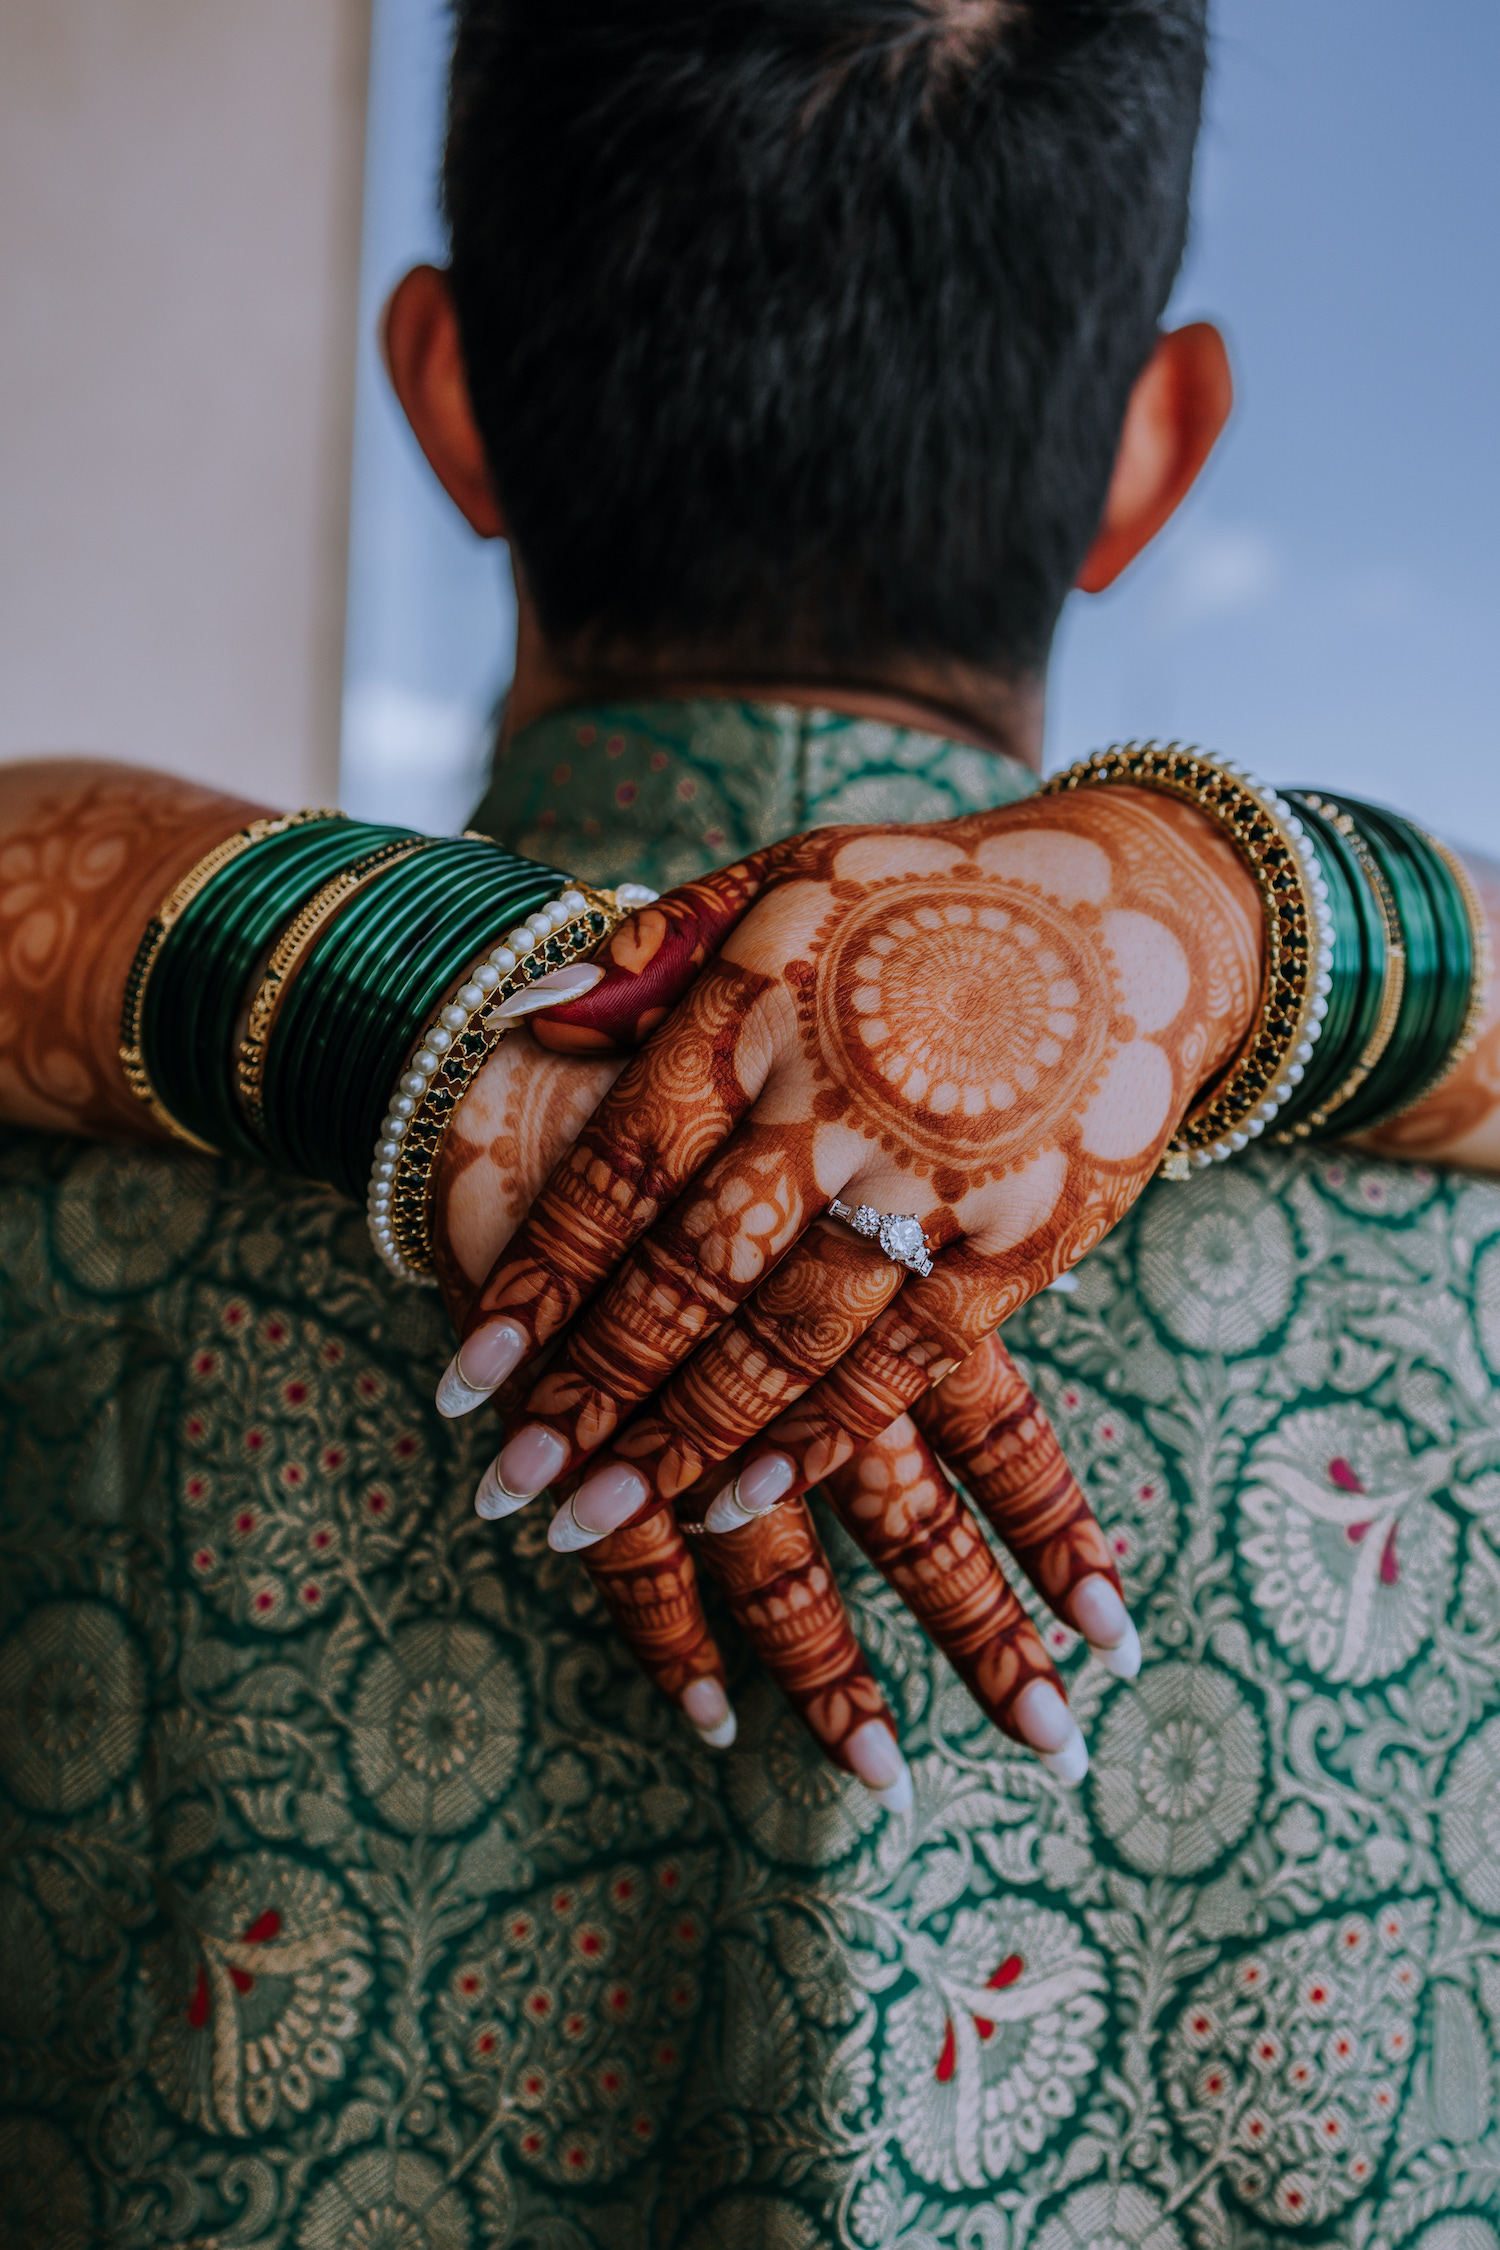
pixel 661 792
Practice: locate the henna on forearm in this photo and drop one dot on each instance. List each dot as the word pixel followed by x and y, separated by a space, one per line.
pixel 89 850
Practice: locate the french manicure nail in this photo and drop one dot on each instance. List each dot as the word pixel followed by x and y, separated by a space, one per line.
pixel 532 1459
pixel 602 1503
pixel 1106 1625
pixel 551 991
pixel 711 1712
pixel 480 1364
pixel 1052 1731
pixel 736 1506
pixel 492 1500
pixel 873 1754
pixel 764 1482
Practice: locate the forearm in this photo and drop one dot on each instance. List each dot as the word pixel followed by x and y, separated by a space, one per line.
pixel 88 850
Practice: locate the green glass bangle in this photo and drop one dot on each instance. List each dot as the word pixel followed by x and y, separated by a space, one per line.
pixel 353 1077
pixel 329 990
pixel 1357 979
pixel 154 937
pixel 1454 968
pixel 1441 959
pixel 448 963
pixel 189 963
pixel 360 997
pixel 1341 983
pixel 229 929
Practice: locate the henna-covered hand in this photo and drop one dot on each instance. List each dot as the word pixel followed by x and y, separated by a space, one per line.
pixel 523 1107
pixel 993 1023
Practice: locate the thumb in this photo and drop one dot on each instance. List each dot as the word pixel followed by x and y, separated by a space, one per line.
pixel 650 961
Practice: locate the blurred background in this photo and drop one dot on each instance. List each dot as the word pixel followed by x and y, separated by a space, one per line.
pixel 220 552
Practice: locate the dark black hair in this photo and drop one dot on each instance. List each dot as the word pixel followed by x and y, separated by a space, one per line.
pixel 804 329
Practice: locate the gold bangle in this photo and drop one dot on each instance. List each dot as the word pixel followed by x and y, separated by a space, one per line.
pixel 1245 1098
pixel 286 958
pixel 154 937
pixel 400 1219
pixel 1393 982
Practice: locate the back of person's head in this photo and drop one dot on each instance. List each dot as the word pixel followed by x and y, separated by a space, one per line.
pixel 804 329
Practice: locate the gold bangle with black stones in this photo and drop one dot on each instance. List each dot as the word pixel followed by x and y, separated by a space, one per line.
pixel 460 1041
pixel 1269 837
pixel 154 937
pixel 287 956
pixel 1393 976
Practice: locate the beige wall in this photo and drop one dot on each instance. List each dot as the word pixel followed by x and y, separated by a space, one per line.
pixel 179 209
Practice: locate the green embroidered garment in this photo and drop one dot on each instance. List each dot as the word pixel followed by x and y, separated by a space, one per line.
pixel 358 1895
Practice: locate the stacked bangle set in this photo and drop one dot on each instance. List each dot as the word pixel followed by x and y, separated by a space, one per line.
pixel 1376 960
pixel 378 988
pixel 371 959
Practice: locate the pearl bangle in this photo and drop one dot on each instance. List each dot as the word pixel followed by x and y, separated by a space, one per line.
pixel 456 1043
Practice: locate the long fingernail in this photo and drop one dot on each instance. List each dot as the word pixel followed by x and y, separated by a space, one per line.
pixel 551 991
pixel 711 1712
pixel 611 1497
pixel 532 1459
pixel 1105 1624
pixel 493 1499
pixel 1053 1732
pixel 750 1495
pixel 873 1754
pixel 479 1366
pixel 605 1499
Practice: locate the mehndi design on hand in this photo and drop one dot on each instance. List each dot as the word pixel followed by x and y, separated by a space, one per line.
pixel 995 1023
pixel 872 1061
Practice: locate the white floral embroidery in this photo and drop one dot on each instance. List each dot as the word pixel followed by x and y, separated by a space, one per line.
pixel 1353 1562
pixel 1177 1770
pixel 986 2058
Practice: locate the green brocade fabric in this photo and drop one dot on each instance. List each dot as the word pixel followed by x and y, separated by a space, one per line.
pixel 358 1895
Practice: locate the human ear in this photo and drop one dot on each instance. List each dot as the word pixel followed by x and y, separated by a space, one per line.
pixel 1180 403
pixel 423 356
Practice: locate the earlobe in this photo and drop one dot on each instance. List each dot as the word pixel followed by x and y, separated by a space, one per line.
pixel 419 343
pixel 1177 409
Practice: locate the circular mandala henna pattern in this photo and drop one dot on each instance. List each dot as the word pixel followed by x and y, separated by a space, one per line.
pixel 954 1023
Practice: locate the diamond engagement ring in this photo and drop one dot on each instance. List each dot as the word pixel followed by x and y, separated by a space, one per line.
pixel 899 1234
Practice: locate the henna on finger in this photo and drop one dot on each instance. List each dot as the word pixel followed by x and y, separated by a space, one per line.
pixel 801 1321
pixel 648 1583
pixel 896 1502
pixel 782 1592
pixel 662 1121
pixel 988 1425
